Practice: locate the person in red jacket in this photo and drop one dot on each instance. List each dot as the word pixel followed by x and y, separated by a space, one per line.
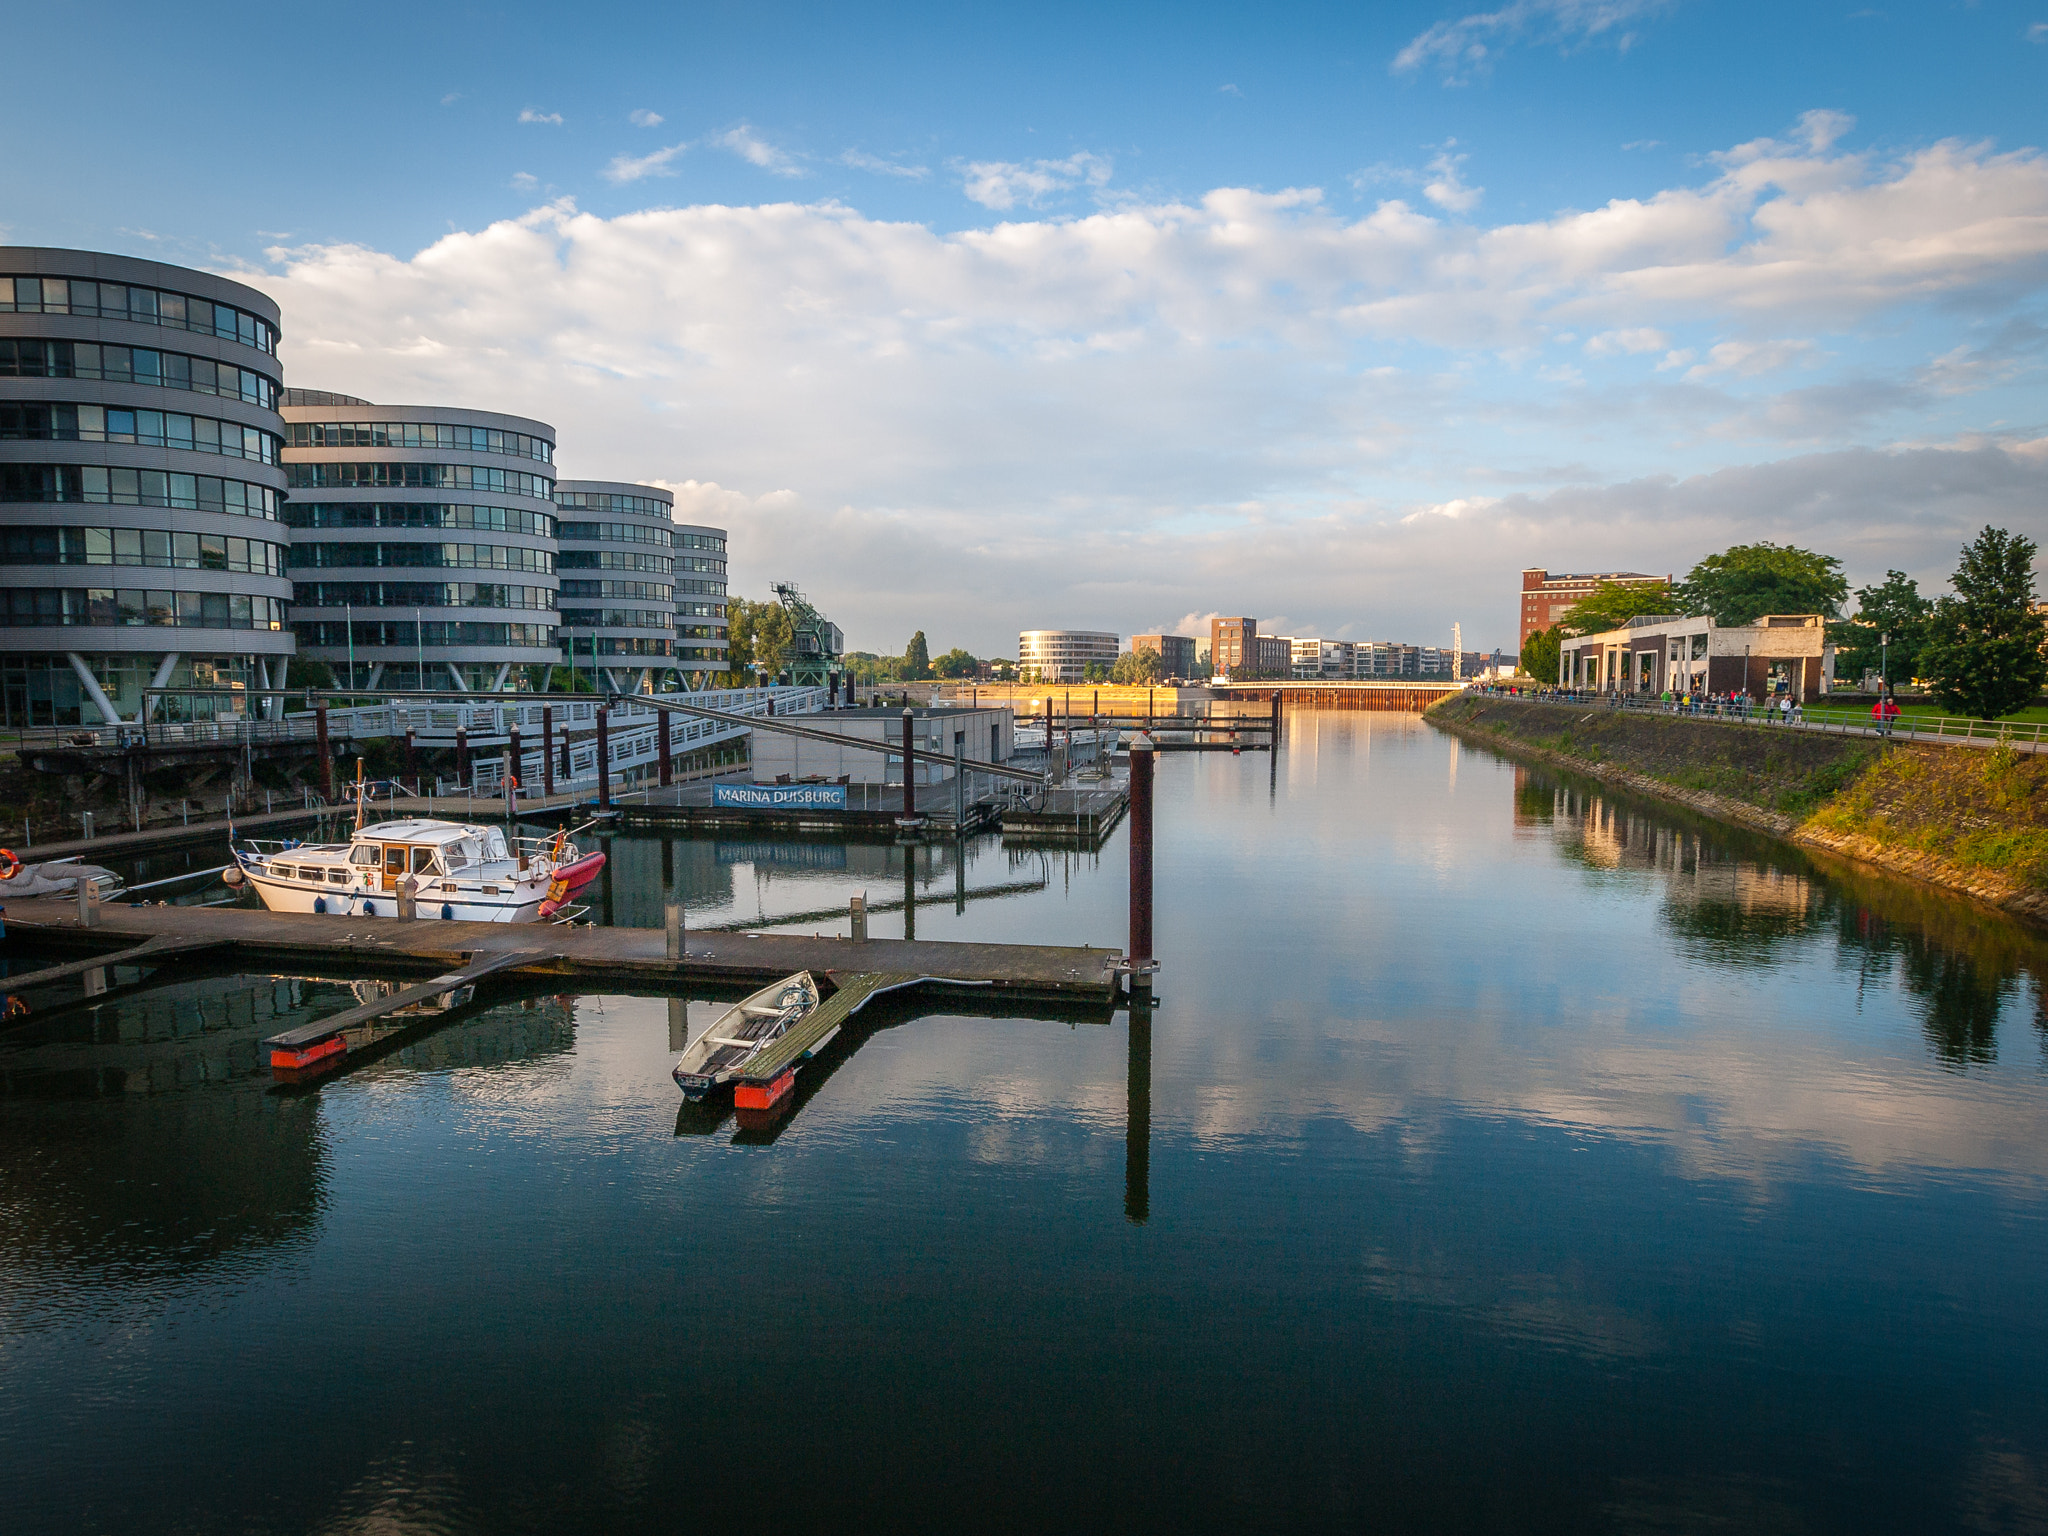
pixel 1884 712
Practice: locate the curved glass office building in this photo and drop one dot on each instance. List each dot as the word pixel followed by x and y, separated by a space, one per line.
pixel 141 485
pixel 423 543
pixel 618 587
pixel 700 604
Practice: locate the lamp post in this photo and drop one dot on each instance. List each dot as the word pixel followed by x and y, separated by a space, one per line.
pixel 348 619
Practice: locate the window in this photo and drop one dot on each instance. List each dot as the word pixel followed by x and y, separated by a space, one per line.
pixel 456 477
pixel 603 501
pixel 24 358
pixel 25 606
pixel 136 488
pixel 55 422
pixel 418 434
pixel 495 557
pixel 142 306
pixel 417 514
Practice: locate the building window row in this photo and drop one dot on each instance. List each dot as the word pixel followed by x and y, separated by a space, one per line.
pixel 419 434
pixel 432 477
pixel 701 610
pixel 611 645
pixel 646 591
pixel 144 306
pixel 408 633
pixel 709 541
pixel 697 631
pixel 417 514
pixel 613 560
pixel 605 501
pixel 702 655
pixel 140 546
pixel 616 533
pixel 699 588
pixel 151 429
pixel 420 594
pixel 482 557
pixel 700 563
pixel 618 618
pixel 21 358
pixel 39 606
pixel 135 488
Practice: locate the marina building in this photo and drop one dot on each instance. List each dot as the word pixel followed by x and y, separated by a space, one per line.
pixel 1064 655
pixel 1547 598
pixel 615 559
pixel 141 543
pixel 423 543
pixel 1234 646
pixel 1176 652
pixel 983 734
pixel 1778 654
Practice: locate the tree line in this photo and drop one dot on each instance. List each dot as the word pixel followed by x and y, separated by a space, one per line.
pixel 1981 650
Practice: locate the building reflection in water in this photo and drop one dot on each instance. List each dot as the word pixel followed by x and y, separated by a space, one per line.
pixel 1743 898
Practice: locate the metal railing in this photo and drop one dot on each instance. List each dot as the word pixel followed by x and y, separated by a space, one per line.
pixel 2027 735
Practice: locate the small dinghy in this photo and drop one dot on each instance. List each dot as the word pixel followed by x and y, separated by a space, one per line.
pixel 742 1032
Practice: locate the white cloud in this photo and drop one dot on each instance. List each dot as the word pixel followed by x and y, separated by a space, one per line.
pixel 525 181
pixel 1747 359
pixel 1233 401
pixel 2038 32
pixel 1639 338
pixel 451 98
pixel 1446 188
pixel 1469 45
pixel 1003 184
pixel 1228 90
pixel 641 117
pixel 861 160
pixel 535 115
pixel 661 162
pixel 757 151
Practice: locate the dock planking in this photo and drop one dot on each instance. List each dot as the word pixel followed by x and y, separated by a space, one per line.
pixel 851 992
pixel 370 1023
pixel 285 941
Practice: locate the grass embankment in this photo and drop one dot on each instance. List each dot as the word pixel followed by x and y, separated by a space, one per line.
pixel 1972 818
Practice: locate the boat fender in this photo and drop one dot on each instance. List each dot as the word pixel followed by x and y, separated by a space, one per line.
pixel 447 913
pixel 369 909
pixel 232 876
pixel 319 903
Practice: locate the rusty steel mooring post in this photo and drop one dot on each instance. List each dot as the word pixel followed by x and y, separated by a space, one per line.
pixel 604 759
pixel 1140 957
pixel 547 748
pixel 909 769
pixel 667 761
pixel 326 752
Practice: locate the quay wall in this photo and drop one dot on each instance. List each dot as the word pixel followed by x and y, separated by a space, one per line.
pixel 1972 821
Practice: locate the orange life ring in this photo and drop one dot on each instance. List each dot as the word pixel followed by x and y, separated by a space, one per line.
pixel 10 866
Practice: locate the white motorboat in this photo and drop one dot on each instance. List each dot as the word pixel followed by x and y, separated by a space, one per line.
pixel 444 869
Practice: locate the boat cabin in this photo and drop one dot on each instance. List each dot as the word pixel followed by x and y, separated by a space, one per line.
pixel 391 850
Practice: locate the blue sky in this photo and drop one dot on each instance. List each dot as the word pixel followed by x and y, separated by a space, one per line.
pixel 976 319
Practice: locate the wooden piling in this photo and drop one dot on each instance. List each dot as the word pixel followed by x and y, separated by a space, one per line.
pixel 326 753
pixel 547 750
pixel 604 759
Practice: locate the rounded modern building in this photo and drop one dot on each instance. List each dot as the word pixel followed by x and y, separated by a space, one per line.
pixel 618 613
pixel 701 645
pixel 423 544
pixel 140 489
pixel 1064 655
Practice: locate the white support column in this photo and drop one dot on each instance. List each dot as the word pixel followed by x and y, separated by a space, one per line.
pixel 498 682
pixel 92 688
pixel 376 675
pixel 456 673
pixel 164 669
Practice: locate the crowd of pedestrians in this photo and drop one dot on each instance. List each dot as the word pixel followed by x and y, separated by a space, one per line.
pixel 1734 704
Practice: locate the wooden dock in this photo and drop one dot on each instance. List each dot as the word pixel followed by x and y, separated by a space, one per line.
pixel 852 991
pixel 294 943
pixel 321 1043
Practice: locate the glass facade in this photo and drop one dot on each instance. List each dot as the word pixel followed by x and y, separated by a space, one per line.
pixel 122 452
pixel 370 488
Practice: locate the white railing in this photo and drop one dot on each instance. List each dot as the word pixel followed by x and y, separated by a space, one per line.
pixel 489 721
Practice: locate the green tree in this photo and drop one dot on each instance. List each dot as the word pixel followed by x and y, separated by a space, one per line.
pixel 1540 652
pixel 1143 667
pixel 1741 584
pixel 739 639
pixel 955 663
pixel 308 672
pixel 1983 651
pixel 1887 633
pixel 1611 605
pixel 1095 672
pixel 773 636
pixel 917 659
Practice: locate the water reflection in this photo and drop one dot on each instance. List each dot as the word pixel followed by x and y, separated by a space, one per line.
pixel 1739 900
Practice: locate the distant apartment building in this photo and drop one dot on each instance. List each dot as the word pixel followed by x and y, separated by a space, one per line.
pixel 1275 655
pixel 1547 598
pixel 1064 655
pixel 1325 660
pixel 1233 647
pixel 1372 659
pixel 1176 652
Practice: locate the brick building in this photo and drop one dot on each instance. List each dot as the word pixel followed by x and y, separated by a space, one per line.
pixel 1547 598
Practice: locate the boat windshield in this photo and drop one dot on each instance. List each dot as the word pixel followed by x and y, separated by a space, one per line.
pixel 365 853
pixel 461 853
pixel 494 844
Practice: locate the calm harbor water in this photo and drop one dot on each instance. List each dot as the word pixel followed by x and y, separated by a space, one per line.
pixel 1504 1155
